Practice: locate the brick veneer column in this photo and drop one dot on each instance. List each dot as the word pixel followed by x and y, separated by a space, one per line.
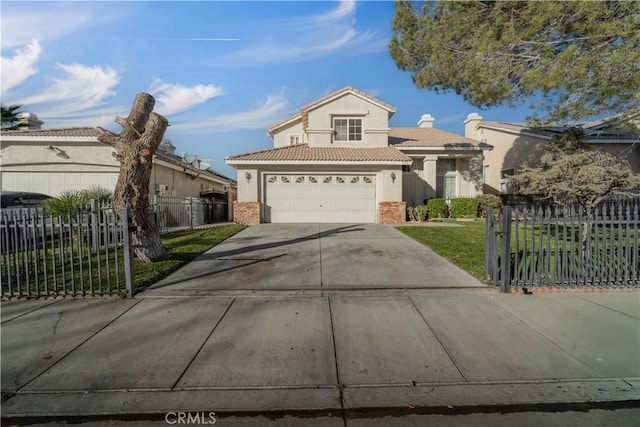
pixel 392 212
pixel 246 213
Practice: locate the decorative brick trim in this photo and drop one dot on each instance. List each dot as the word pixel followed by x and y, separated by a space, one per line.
pixel 392 212
pixel 246 213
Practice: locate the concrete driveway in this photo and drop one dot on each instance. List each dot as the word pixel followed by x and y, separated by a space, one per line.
pixel 312 259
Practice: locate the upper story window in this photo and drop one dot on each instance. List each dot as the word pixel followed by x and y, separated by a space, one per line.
pixel 294 139
pixel 347 129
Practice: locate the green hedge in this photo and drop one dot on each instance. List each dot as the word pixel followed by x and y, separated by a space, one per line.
pixel 436 208
pixel 464 208
pixel 486 201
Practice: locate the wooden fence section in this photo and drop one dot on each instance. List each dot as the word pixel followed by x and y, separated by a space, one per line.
pixel 564 246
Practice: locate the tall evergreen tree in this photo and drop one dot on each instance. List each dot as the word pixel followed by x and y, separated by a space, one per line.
pixel 578 58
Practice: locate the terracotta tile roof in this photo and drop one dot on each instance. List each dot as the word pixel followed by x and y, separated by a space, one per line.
pixel 426 137
pixel 66 132
pixel 304 153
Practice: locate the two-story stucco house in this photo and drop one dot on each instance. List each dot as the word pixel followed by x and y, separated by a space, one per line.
pixel 337 160
pixel 516 144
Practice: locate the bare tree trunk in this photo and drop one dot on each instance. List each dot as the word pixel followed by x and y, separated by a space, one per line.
pixel 141 135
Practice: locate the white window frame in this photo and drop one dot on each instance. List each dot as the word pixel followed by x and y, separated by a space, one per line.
pixel 350 122
pixel 442 176
pixel 294 139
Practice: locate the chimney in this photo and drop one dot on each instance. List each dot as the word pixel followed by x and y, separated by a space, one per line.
pixel 167 147
pixel 426 121
pixel 470 125
pixel 29 121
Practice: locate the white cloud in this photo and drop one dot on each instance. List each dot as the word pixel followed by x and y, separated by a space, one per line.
pixel 310 37
pixel 265 113
pixel 345 9
pixel 21 66
pixel 172 98
pixel 81 88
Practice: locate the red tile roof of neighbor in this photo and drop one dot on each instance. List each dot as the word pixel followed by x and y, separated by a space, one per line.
pixel 304 153
pixel 426 137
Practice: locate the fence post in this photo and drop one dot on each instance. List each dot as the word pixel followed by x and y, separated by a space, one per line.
pixel 489 234
pixel 505 251
pixel 191 212
pixel 95 218
pixel 129 273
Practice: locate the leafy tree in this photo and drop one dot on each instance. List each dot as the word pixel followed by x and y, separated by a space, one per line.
pixel 570 171
pixel 10 117
pixel 581 58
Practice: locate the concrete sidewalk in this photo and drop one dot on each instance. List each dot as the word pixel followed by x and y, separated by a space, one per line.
pixel 439 350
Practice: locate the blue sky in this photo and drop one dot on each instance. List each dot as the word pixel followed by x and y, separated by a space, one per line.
pixel 221 72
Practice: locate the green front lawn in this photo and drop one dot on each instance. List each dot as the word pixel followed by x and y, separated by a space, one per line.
pixel 182 247
pixel 462 244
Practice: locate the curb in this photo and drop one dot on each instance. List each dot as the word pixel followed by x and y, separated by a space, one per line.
pixel 353 401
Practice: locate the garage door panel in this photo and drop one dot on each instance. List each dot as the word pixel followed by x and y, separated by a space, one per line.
pixel 320 198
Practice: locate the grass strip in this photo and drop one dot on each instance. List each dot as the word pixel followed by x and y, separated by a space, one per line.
pixel 462 244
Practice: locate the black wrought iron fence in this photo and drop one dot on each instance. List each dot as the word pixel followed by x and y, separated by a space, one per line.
pixel 85 253
pixel 172 213
pixel 564 246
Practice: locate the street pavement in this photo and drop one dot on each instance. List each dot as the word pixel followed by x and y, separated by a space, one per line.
pixel 349 356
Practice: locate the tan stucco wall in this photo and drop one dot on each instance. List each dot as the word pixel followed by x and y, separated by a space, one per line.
pixel 420 183
pixel 375 122
pixel 248 190
pixel 33 167
pixel 282 138
pixel 512 150
pixel 180 185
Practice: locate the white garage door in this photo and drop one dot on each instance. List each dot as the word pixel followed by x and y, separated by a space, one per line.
pixel 320 198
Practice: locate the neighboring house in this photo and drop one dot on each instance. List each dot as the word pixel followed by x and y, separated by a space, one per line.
pixel 516 144
pixel 337 160
pixel 52 161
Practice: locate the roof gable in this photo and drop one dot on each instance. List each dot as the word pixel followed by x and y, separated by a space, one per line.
pixel 345 91
pixel 348 90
